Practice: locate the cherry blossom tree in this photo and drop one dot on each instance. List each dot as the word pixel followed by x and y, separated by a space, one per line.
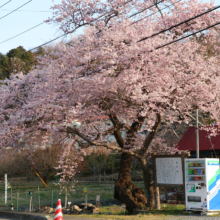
pixel 114 83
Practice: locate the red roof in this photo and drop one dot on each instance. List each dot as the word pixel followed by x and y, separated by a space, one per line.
pixel 188 141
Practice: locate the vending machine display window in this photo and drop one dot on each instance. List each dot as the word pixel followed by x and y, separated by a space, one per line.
pixel 195 171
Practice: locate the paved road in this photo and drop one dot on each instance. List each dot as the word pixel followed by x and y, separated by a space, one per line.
pixel 183 217
pixel 197 217
pixel 9 219
pixel 179 218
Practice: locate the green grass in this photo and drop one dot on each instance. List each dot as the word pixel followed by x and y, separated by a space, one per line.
pixel 114 210
pixel 117 212
pixel 49 195
pixel 166 209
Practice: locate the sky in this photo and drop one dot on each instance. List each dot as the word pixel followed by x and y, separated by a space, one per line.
pixel 28 16
pixel 32 14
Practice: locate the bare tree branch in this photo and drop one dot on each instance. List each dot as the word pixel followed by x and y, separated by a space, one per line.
pixel 156 4
pixel 194 118
pixel 101 144
pixel 173 131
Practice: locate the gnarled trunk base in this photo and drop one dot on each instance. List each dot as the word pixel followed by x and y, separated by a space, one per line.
pixel 126 191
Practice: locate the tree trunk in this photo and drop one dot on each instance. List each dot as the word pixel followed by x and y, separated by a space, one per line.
pixel 148 182
pixel 126 191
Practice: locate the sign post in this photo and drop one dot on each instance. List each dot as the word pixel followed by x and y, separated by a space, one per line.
pixel 69 203
pixel 65 197
pixel 85 191
pixel 123 206
pixel 97 199
pixel 31 193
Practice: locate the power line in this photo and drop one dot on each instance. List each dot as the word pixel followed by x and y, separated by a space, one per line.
pixel 41 24
pixel 143 38
pixel 5 4
pixel 65 34
pixel 145 9
pixel 137 41
pixel 49 41
pixel 154 13
pixel 68 33
pixel 15 9
pixel 188 35
pixel 22 33
pixel 176 25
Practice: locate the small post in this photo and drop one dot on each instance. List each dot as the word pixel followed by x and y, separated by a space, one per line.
pixel 156 187
pixel 52 199
pixel 97 199
pixel 30 203
pixel 11 194
pixel 17 201
pixel 27 197
pixel 112 170
pixel 65 196
pixel 86 197
pixel 38 190
pixel 39 202
pixel 157 197
pixel 85 191
pixel 31 193
pixel 57 195
pixel 123 206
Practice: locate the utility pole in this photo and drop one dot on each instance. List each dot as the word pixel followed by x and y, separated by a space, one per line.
pixel 197 133
pixel 6 187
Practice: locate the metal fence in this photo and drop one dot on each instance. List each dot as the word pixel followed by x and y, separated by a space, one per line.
pixel 22 201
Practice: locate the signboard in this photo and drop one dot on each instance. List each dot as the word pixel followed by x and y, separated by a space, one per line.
pixel 169 169
pixel 97 198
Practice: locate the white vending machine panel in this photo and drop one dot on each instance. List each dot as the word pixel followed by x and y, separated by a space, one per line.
pixel 202 184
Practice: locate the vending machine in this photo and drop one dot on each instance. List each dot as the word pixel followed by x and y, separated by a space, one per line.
pixel 202 184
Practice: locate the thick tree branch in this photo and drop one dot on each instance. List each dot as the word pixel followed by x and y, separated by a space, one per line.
pixel 151 135
pixel 101 144
pixel 135 128
pixel 117 132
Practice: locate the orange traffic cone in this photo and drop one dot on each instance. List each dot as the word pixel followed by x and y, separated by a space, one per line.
pixel 58 212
